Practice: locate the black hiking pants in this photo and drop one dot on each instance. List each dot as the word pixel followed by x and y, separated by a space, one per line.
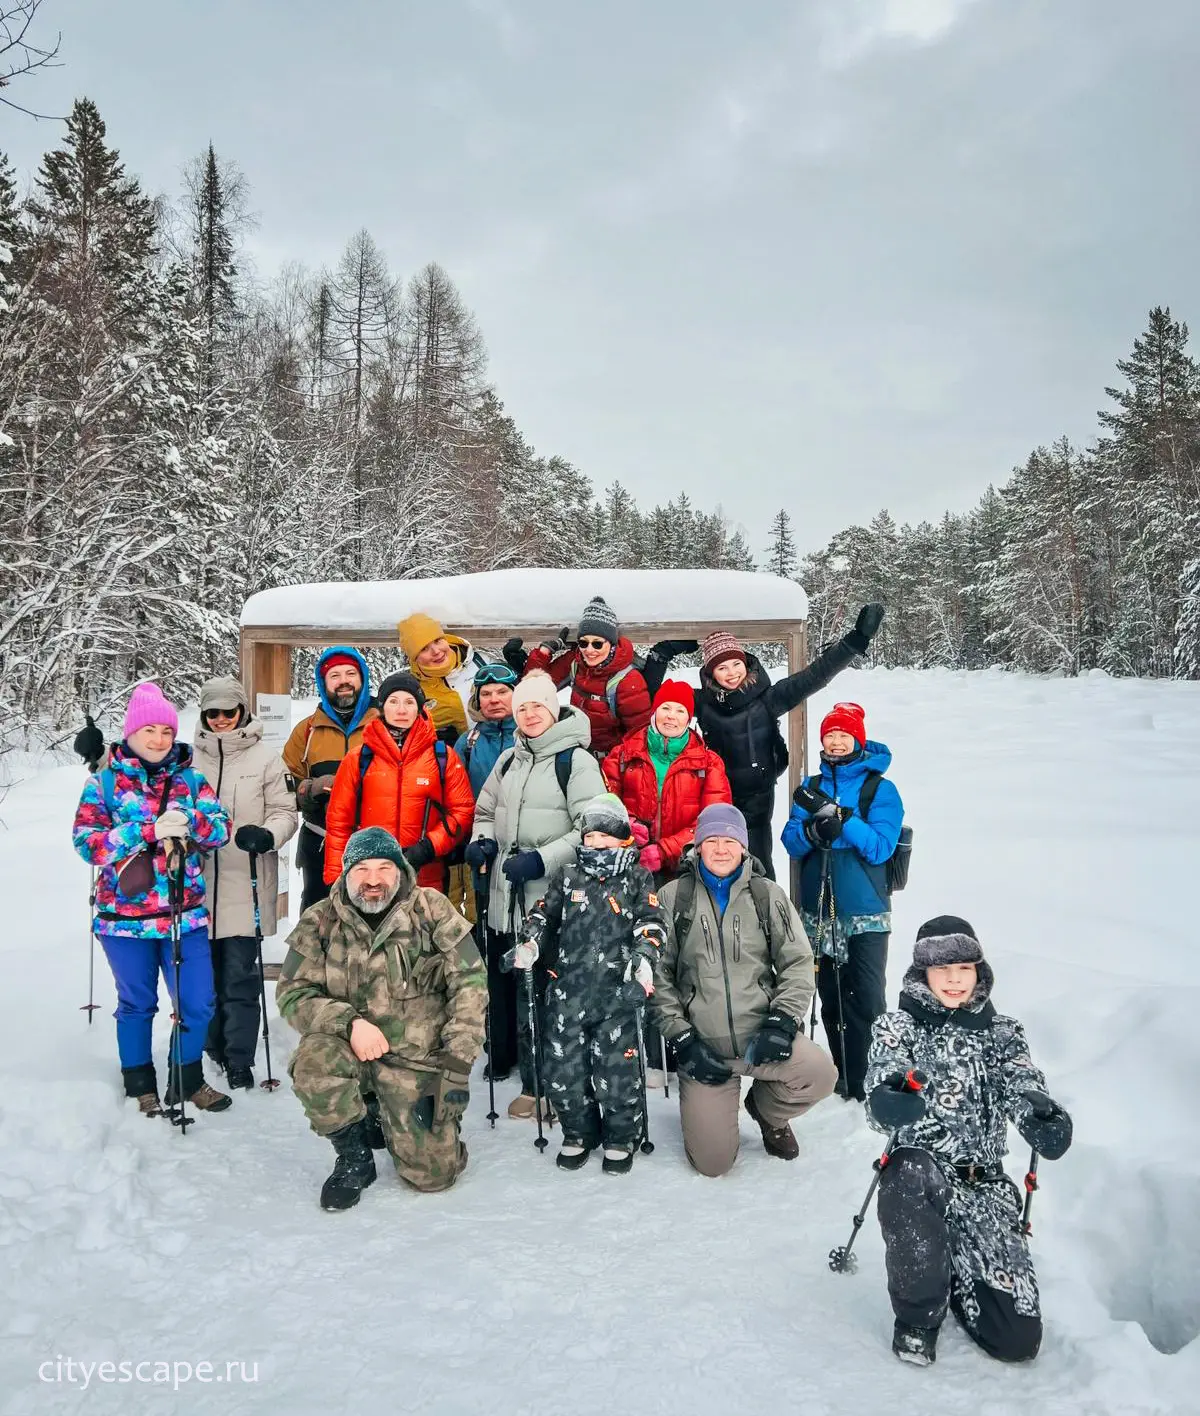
pixel 863 989
pixel 759 811
pixel 237 1020
pixel 502 1001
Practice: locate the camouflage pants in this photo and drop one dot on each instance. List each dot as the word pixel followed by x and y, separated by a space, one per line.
pixel 329 1080
pixel 593 1077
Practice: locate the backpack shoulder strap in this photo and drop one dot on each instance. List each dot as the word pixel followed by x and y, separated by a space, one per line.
pixel 472 739
pixel 108 790
pixel 366 756
pixel 760 893
pixel 439 751
pixel 866 794
pixel 507 763
pixel 685 905
pixel 563 762
pixel 610 689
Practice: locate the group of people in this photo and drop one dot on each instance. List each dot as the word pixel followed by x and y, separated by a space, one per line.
pixel 587 889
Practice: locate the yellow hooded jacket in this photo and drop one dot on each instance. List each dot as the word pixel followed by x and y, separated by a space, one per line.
pixel 443 688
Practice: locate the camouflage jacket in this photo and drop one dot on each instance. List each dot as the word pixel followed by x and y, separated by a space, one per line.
pixel 417 976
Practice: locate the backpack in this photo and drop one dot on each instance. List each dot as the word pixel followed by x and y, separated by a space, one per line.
pixel 610 689
pixel 108 788
pixel 562 765
pixel 684 911
pixel 897 863
pixel 366 755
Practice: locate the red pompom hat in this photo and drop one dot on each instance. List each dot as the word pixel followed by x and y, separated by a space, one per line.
pixel 676 691
pixel 846 718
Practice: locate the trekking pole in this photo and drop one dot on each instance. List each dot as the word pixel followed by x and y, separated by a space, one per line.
pixel 91 1005
pixel 666 1074
pixel 176 864
pixel 535 1038
pixel 837 984
pixel 270 1082
pixel 1031 1184
pixel 841 1260
pixel 488 1034
pixel 812 1020
pixel 647 1145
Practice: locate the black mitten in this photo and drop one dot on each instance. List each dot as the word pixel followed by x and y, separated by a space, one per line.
pixel 514 656
pixel 256 839
pixel 866 627
pixel 89 743
pixel 1046 1126
pixel 895 1102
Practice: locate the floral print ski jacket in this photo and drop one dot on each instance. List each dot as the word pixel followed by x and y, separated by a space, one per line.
pixel 108 838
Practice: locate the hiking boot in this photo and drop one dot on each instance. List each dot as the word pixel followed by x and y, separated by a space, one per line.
pixel 618 1160
pixel 196 1089
pixel 240 1077
pixel 522 1108
pixel 375 1137
pixel 353 1170
pixel 915 1344
pixel 777 1140
pixel 141 1083
pixel 572 1155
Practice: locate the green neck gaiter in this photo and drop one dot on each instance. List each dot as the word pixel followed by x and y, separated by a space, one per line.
pixel 664 751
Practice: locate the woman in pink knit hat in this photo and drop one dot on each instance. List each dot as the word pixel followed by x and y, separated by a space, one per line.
pixel 145 816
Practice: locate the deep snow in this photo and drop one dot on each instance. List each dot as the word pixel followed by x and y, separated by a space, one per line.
pixel 1056 815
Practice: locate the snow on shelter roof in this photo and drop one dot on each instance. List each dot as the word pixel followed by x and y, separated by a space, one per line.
pixel 534 597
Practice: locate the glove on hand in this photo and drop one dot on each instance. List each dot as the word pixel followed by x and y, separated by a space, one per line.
pixel 695 1057
pixel 866 627
pixel 256 839
pixel 89 743
pixel 668 649
pixel 651 857
pixel 448 1094
pixel 172 825
pixel 523 867
pixel 773 1041
pixel 514 656
pixel 640 972
pixel 521 956
pixel 480 854
pixel 894 1103
pixel 1047 1127
pixel 419 853
pixel 827 826
pixel 811 799
pixel 559 642
pixel 640 832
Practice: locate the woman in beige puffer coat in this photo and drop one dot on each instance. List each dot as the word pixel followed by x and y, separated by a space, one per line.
pixel 250 779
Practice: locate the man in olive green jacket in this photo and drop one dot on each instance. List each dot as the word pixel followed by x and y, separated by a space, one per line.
pixel 732 987
pixel 384 983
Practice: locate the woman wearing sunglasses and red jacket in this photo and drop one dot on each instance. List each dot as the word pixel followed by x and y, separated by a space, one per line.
pixel 599 666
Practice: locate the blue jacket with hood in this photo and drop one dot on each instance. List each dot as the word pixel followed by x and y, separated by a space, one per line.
pixel 479 748
pixel 857 859
pixel 319 742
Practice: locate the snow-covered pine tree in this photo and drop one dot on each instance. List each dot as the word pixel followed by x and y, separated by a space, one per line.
pixel 781 547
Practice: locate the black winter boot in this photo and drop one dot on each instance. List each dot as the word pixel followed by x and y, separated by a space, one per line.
pixel 914 1344
pixel 618 1160
pixel 142 1083
pixel 240 1077
pixel 353 1170
pixel 375 1137
pixel 573 1155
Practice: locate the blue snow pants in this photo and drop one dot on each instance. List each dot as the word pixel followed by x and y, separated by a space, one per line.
pixel 135 965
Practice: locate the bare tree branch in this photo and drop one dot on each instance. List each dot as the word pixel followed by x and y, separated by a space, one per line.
pixel 18 53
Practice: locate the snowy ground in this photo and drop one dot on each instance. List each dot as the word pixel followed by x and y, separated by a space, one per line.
pixel 1057 816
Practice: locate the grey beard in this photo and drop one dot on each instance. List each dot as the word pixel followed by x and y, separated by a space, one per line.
pixel 373 906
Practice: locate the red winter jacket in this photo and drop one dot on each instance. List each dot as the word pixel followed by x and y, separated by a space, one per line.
pixel 695 779
pixel 589 691
pixel 402 792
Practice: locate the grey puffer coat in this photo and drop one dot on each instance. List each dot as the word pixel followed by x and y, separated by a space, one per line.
pixel 250 779
pixel 725 975
pixel 521 807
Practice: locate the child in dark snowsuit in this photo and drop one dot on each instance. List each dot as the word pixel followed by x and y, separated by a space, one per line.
pixel 598 929
pixel 951 1217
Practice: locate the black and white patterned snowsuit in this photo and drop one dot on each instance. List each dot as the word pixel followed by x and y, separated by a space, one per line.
pixel 597 913
pixel 953 1240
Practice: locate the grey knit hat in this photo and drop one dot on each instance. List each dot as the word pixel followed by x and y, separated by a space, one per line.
pixel 605 813
pixel 946 939
pixel 599 618
pixel 373 843
pixel 722 819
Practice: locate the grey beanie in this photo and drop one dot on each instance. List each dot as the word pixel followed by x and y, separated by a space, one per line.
pixel 605 813
pixel 599 618
pixel 722 819
pixel 373 843
pixel 946 939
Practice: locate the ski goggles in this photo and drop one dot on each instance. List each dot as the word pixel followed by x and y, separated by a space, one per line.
pixel 496 673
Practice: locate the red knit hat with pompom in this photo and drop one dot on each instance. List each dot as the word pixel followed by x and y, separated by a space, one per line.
pixel 846 718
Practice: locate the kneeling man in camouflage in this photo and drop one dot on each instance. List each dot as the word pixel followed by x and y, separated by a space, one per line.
pixel 385 985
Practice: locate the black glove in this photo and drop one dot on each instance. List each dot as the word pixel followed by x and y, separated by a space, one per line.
pixel 419 853
pixel 559 642
pixel 256 839
pixel 827 827
pixel 447 1095
pixel 811 799
pixel 773 1041
pixel 523 867
pixel 480 854
pixel 866 627
pixel 514 656
pixel 89 743
pixel 1047 1127
pixel 695 1057
pixel 897 1102
pixel 668 649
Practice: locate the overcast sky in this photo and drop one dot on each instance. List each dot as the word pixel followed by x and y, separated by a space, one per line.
pixel 827 254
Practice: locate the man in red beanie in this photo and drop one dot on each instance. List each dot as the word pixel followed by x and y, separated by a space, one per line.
pixel 844 828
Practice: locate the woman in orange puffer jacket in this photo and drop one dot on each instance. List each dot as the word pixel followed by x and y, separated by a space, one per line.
pixel 666 776
pixel 412 786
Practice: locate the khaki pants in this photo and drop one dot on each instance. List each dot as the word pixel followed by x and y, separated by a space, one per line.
pixel 782 1090
pixel 329 1080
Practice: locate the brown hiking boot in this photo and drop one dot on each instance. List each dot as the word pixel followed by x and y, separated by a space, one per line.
pixel 149 1104
pixel 207 1098
pixel 777 1140
pixel 523 1108
pixel 196 1089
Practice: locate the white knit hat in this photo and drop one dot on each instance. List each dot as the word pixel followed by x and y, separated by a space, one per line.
pixel 536 687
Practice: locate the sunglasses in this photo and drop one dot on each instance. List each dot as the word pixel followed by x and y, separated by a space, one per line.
pixel 495 673
pixel 223 712
pixel 587 642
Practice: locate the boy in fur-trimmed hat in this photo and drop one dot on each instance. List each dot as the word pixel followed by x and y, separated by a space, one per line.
pixel 598 930
pixel 951 1217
